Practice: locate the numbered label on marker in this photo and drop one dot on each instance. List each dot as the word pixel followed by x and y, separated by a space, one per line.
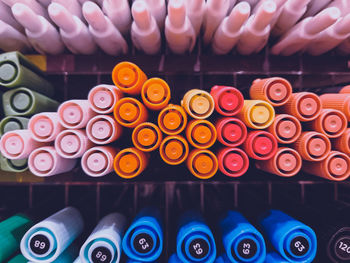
pixel 342 248
pixel 101 255
pixel 143 243
pixel 299 246
pixel 246 249
pixel 199 248
pixel 39 244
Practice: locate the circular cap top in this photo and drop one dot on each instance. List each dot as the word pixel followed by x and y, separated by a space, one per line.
pixel 232 132
pixel 155 92
pixel 332 123
pixel 102 99
pixel 70 143
pixel 97 162
pixel 72 114
pixel 12 125
pixel 308 106
pixel 338 166
pixel 201 134
pixel 286 129
pixel 262 145
pixel 172 120
pixel 174 150
pixel 317 147
pixel 287 162
pixel 101 129
pixel 233 162
pixel 14 144
pixel 8 72
pixel 200 104
pixel 260 114
pixel 21 101
pixel 129 112
pixel 43 161
pixel 19 164
pixel 43 127
pixel 127 76
pixel 203 163
pixel 277 92
pixel 228 101
pixel 129 163
pixel 146 137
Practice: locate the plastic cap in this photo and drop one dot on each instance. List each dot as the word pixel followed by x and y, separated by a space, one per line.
pixel 263 145
pixel 228 100
pixel 260 145
pixel 201 134
pixel 129 112
pixel 12 125
pixel 72 114
pixel 70 143
pixel 130 162
pixel 287 162
pixel 231 131
pixel 43 161
pixel 259 114
pixel 172 119
pixel 177 13
pixel 8 72
pixel 146 137
pixel 338 166
pixel 286 129
pixel 141 15
pixel 305 106
pixel 97 162
pixel 14 144
pixel 21 101
pixel 155 94
pixel 202 163
pixel 317 147
pixel 174 149
pixel 198 104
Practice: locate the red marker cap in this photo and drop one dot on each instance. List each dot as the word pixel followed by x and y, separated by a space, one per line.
pixel 231 131
pixel 228 100
pixel 233 162
pixel 260 145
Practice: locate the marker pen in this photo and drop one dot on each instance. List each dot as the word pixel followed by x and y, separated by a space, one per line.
pixel 203 164
pixel 18 144
pixel 222 259
pixel 260 145
pixel 276 90
pixel 103 98
pixel 315 7
pixel 195 241
pixel 12 39
pixel 345 90
pixel 128 77
pixel 228 100
pixel 74 33
pixel 155 94
pixel 174 149
pixel 343 6
pixel 32 4
pixel 129 112
pixel 172 119
pixel 286 163
pixel 339 102
pixel 72 144
pixel 174 259
pixel 230 29
pixel 75 114
pixel 312 146
pixel 118 13
pixel 18 259
pixel 147 137
pixel 233 162
pixel 195 11
pixel 216 11
pixel 231 131
pixel 47 240
pixel 103 129
pixel 105 34
pixel 274 257
pixel 335 167
pixel 179 32
pixel 305 106
pixel 158 11
pixel 286 128
pixel 45 126
pixel 104 243
pixel 145 33
pixel 42 35
pixel 130 163
pixel 201 134
pixel 13 166
pixel 12 123
pixel 256 30
pixel 98 161
pixel 257 114
pixel 342 143
pixel 300 35
pixel 199 104
pixel 17 71
pixel 143 240
pixel 7 17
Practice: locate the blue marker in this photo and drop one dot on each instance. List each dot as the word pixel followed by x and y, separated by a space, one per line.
pixel 174 259
pixel 143 241
pixel 222 259
pixel 195 241
pixel 241 240
pixel 292 239
pixel 273 257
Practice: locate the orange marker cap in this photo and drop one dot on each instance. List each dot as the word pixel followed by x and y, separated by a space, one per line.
pixel 129 112
pixel 339 102
pixel 155 94
pixel 199 104
pixel 147 137
pixel 203 164
pixel 172 119
pixel 345 90
pixel 174 149
pixel 201 134
pixel 128 77
pixel 286 128
pixel 342 143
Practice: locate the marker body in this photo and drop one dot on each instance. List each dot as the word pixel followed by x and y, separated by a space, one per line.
pixel 174 149
pixel 203 164
pixel 195 11
pixel 103 98
pixel 75 114
pixel 130 162
pixel 45 126
pixel 342 143
pixel 98 161
pixel 158 11
pixel 130 112
pixel 286 128
pixel 12 123
pixel 147 137
pixel 155 94
pixel 260 145
pixel 233 162
pixel 201 134
pixel 339 102
pixel 103 129
pixel 32 4
pixel 7 17
pixel 199 104
pixel 119 13
pixel 172 119
pixel 228 100
pixel 73 6
pixel 12 39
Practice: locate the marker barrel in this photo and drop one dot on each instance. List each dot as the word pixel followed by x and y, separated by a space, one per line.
pixel 233 162
pixel 105 240
pixel 75 114
pixel 129 112
pixel 275 91
pixel 72 144
pixel 128 77
pixel 260 145
pixel 172 119
pixel 11 38
pixel 203 164
pixel 228 100
pixel 130 163
pixel 257 114
pixel 242 241
pixel 155 94
pixel 199 104
pixel 339 102
pixel 292 239
pixel 174 149
pixel 103 98
pixel 45 126
pixel 143 240
pixel 231 132
pixel 98 161
pixel 103 129
pixel 345 90
pixel 342 143
pixel 286 128
pixel 286 162
pixel 12 123
pixel 335 167
pixel 201 134
pixel 312 146
pixel 147 137
pixel 13 166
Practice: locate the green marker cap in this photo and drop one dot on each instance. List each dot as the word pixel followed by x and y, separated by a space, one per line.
pixel 21 101
pixel 8 72
pixel 12 123
pixel 14 166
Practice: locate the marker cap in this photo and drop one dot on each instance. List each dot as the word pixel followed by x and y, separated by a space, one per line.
pixel 103 129
pixel 228 100
pixel 155 94
pixel 128 77
pixel 260 145
pixel 342 143
pixel 103 98
pixel 45 126
pixel 286 128
pixel 199 104
pixel 201 134
pixel 98 161
pixel 339 102
pixel 130 162
pixel 233 162
pixel 203 164
pixel 147 137
pixel 345 90
pixel 11 123
pixel 174 149
pixel 231 131
pixel 130 112
pixel 172 119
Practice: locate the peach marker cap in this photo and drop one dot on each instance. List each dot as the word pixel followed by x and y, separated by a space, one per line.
pixel 199 104
pixel 286 128
pixel 203 164
pixel 345 90
pixel 228 100
pixel 130 162
pixel 339 102
pixel 260 145
pixel 45 161
pixel 45 126
pixel 342 143
pixel 233 162
pixel 98 161
pixel 231 131
pixel 103 129
pixel 103 98
pixel 147 137
pixel 128 77
pixel 75 114
pixel 174 149
pixel 172 119
pixel 201 134
pixel 155 94
pixel 130 112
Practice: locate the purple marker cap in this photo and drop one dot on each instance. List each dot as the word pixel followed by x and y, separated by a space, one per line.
pixel 104 97
pixel 103 129
pixel 98 161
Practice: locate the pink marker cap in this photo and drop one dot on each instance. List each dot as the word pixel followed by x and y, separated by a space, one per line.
pixel 98 161
pixel 104 97
pixel 231 131
pixel 45 126
pixel 103 129
pixel 45 161
pixel 228 100
pixel 233 162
